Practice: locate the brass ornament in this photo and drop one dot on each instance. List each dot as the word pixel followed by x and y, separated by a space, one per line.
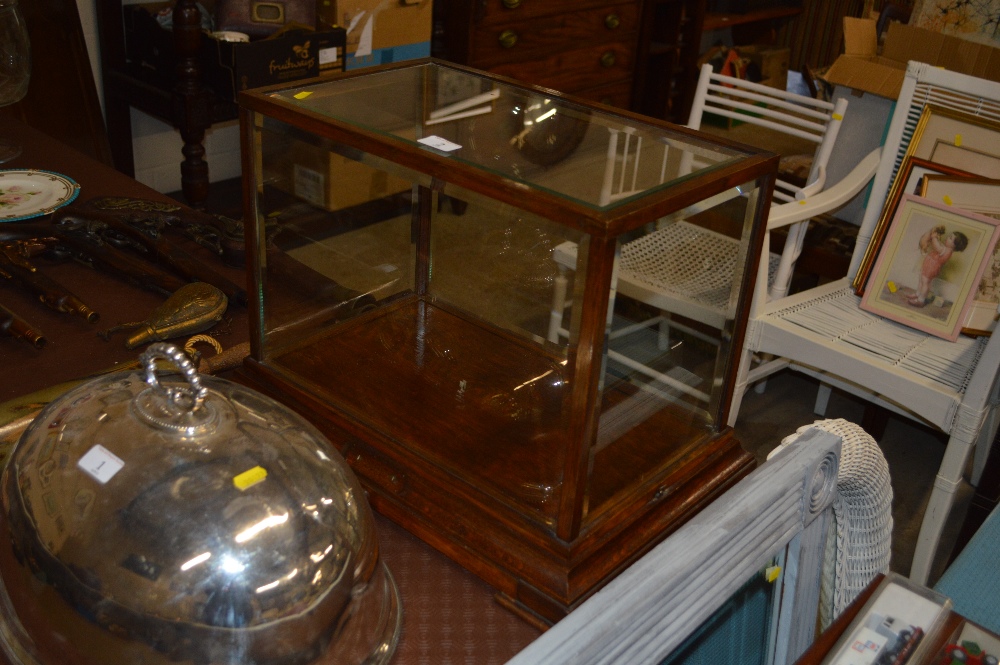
pixel 191 309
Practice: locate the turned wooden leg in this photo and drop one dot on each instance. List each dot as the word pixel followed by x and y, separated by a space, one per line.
pixel 192 104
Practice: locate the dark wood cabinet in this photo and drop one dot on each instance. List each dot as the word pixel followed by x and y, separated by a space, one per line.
pixel 669 46
pixel 581 47
pixel 641 54
pixel 635 54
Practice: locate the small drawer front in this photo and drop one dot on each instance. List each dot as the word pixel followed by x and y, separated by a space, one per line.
pixel 536 37
pixel 614 94
pixel 509 11
pixel 579 69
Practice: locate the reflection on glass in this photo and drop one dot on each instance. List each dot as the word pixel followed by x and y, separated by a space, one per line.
pixel 15 67
pixel 517 133
pixel 669 336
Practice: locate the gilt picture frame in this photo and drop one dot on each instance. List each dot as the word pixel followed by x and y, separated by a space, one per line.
pixel 980 162
pixel 909 180
pixel 930 264
pixel 958 128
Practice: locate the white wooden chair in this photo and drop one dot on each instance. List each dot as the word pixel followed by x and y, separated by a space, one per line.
pixel 780 515
pixel 696 283
pixel 822 332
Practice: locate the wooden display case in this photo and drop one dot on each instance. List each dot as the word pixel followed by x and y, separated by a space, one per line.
pixel 542 442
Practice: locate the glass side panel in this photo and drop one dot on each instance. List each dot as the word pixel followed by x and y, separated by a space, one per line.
pixel 508 130
pixel 669 339
pixel 504 386
pixel 423 315
pixel 339 234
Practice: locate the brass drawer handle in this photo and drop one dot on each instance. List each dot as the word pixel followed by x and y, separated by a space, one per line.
pixel 511 4
pixel 608 59
pixel 612 21
pixel 508 38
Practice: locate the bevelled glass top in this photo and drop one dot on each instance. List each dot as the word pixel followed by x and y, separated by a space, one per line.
pixel 523 134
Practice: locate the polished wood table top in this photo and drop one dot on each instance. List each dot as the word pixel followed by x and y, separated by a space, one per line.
pixel 74 349
pixel 449 615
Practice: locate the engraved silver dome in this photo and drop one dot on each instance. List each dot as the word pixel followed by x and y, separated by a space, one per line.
pixel 186 519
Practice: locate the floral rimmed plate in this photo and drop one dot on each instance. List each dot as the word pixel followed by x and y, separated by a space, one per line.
pixel 27 193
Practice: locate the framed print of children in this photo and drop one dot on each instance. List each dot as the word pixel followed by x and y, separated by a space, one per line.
pixel 930 265
pixel 937 246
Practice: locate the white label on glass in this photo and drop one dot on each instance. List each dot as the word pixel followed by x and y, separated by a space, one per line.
pixel 441 144
pixel 100 463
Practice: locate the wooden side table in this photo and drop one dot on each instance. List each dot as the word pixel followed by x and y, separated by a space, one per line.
pixel 187 105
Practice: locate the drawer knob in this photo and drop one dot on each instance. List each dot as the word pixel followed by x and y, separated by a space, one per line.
pixel 608 59
pixel 612 21
pixel 511 4
pixel 508 38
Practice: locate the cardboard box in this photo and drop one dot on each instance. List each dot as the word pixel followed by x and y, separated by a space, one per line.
pixel 229 67
pixel 330 180
pixel 863 68
pixel 871 81
pixel 380 31
pixel 772 63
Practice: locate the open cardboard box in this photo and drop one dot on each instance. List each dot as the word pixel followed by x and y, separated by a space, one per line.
pixel 863 68
pixel 380 31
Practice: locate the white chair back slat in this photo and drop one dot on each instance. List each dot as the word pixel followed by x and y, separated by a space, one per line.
pixel 758 115
pixel 775 93
pixel 728 91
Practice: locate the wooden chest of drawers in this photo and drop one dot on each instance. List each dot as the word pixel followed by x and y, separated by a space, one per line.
pixel 582 47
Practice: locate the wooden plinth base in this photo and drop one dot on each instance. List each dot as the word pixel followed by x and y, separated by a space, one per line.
pixel 460 432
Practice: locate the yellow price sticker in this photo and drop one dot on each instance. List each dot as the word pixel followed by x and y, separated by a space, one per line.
pixel 249 478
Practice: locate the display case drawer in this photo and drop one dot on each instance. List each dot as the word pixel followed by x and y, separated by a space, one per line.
pixel 494 44
pixel 618 94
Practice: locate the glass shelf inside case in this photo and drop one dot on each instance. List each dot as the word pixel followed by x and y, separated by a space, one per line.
pixel 517 315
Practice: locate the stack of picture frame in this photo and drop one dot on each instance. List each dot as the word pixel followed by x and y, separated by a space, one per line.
pixel 932 262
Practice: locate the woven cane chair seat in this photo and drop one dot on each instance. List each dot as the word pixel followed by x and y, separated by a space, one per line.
pixel 689 261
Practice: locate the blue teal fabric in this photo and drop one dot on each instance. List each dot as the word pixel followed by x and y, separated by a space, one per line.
pixel 736 633
pixel 973 580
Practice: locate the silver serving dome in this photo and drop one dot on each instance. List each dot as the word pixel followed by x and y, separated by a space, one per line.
pixel 186 519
